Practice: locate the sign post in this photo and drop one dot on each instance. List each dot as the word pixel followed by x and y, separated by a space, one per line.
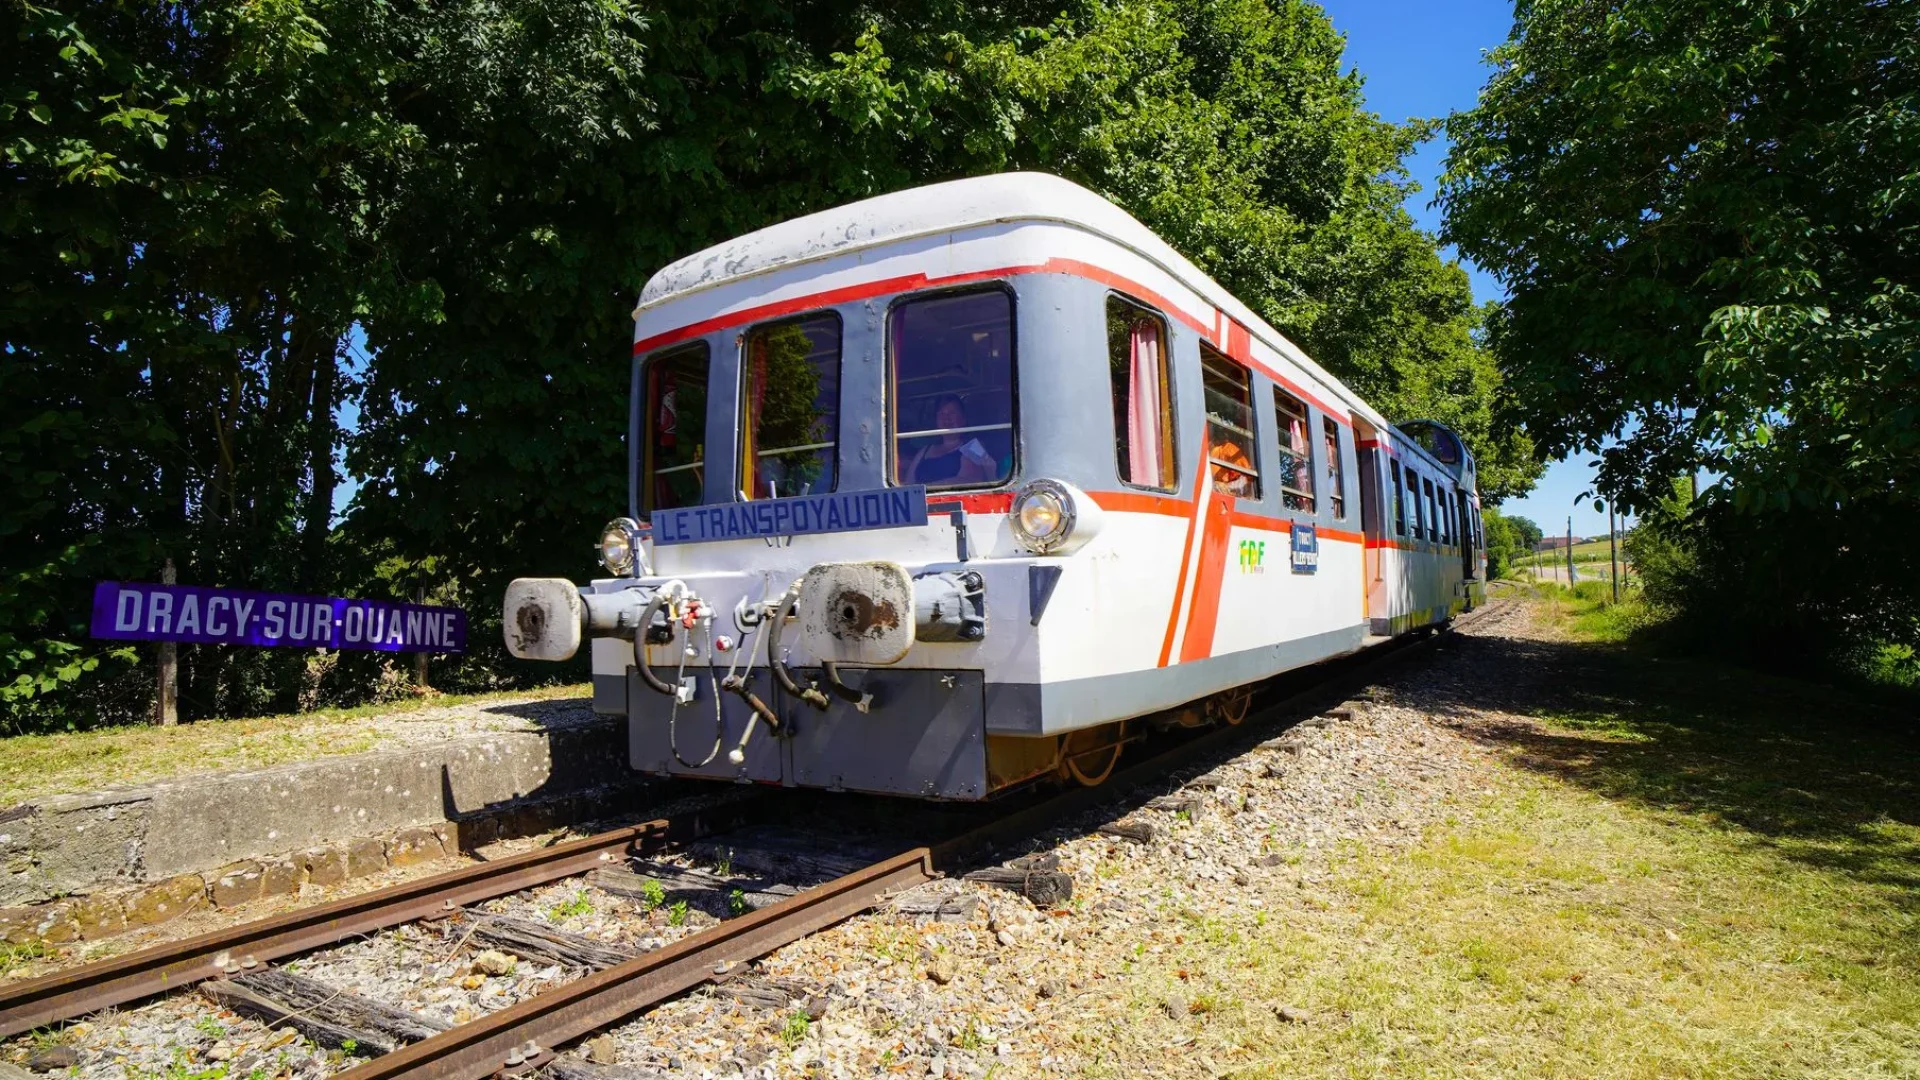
pixel 167 707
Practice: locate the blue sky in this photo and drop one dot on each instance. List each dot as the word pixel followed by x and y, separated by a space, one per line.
pixel 1426 58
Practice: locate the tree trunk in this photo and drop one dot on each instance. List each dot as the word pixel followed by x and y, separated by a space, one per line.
pixel 321 431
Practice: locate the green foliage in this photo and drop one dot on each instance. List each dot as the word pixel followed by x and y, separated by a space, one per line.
pixel 577 904
pixel 1706 213
pixel 737 902
pixel 224 231
pixel 677 913
pixel 652 894
pixel 794 1028
pixel 1507 541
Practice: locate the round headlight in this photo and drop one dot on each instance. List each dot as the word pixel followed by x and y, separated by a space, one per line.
pixel 1043 515
pixel 620 545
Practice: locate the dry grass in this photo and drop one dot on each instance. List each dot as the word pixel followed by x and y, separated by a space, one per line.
pixel 36 766
pixel 1676 871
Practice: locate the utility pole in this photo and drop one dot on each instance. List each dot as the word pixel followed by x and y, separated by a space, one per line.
pixel 1613 568
pixel 167 707
pixel 1569 551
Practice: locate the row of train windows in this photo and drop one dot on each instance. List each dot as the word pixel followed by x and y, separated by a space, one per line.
pixel 1434 518
pixel 952 368
pixel 952 392
pixel 1143 420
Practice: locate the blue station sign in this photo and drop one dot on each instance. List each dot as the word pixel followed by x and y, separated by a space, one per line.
pixel 1306 549
pixel 800 515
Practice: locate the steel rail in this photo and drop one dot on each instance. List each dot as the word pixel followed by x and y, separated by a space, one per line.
pixel 483 1047
pixel 524 1037
pixel 62 995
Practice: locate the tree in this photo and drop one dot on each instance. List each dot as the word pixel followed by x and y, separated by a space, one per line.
pixel 200 206
pixel 1707 213
pixel 215 204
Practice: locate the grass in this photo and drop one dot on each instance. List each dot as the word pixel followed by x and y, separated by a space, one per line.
pixel 14 957
pixel 35 766
pixel 1681 871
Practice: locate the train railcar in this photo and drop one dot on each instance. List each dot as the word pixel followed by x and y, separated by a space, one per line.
pixel 946 490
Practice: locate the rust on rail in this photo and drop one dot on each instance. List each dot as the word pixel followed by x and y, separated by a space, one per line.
pixel 91 987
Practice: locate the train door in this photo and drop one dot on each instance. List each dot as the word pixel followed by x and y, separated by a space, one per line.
pixel 1372 517
pixel 1469 529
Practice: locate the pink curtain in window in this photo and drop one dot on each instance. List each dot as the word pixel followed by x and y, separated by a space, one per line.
pixel 1297 439
pixel 1143 395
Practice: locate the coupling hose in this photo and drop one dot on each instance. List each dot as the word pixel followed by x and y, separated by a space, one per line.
pixel 655 682
pixel 787 602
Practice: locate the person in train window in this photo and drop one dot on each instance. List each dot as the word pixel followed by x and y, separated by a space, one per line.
pixel 1232 472
pixel 954 456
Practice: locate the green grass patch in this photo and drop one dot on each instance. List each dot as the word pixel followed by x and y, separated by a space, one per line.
pixel 35 766
pixel 1683 871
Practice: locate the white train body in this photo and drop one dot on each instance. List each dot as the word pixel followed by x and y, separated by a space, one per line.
pixel 1221 509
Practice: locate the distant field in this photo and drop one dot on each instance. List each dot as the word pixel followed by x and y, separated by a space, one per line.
pixel 1588 551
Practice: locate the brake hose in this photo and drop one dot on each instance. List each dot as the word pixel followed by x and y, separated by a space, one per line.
pixel 810 695
pixel 673 714
pixel 640 654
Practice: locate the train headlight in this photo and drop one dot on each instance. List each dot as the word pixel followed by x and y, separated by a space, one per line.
pixel 620 545
pixel 1043 515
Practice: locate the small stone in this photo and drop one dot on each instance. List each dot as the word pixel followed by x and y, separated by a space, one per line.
pixel 601 1050
pixel 326 866
pixel 941 971
pixel 365 856
pixel 1175 1006
pixel 493 962
pixel 1241 878
pixel 54 1059
pixel 98 916
pixel 166 900
pixel 1291 1015
pixel 413 846
pixel 472 982
pixel 219 1052
pixel 236 884
pixel 279 877
pixel 1005 938
pixel 1053 988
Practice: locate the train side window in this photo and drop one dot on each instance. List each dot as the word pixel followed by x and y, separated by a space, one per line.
pixel 1296 451
pixel 951 361
pixel 1399 500
pixel 1228 389
pixel 1336 469
pixel 1433 512
pixel 1419 508
pixel 790 407
pixel 674 428
pixel 1142 396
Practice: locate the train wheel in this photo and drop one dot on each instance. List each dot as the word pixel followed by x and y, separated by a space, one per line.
pixel 1231 706
pixel 1089 755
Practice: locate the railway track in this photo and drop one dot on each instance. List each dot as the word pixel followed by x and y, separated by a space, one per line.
pixel 772 885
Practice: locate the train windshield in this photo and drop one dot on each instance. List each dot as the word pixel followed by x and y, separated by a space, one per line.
pixel 673 470
pixel 792 406
pixel 952 368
